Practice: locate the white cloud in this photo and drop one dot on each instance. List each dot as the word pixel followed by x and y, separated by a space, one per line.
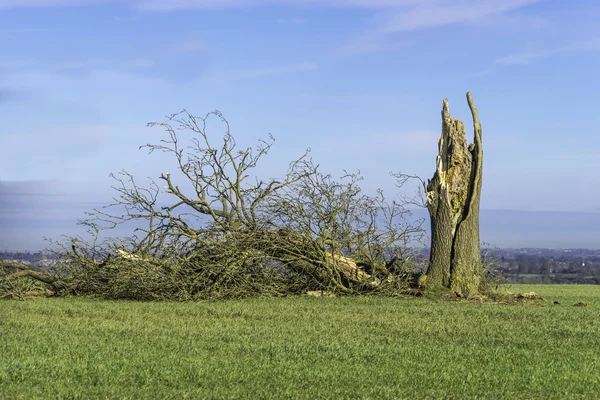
pixel 125 18
pixel 21 30
pixel 399 17
pixel 290 21
pixel 49 147
pixel 85 94
pixel 429 14
pixel 513 23
pixel 16 64
pixel 357 99
pixel 392 15
pixel 524 58
pixel 78 64
pixel 373 42
pixel 169 5
pixel 73 64
pixel 278 70
pixel 6 4
pixel 409 14
pixel 263 71
pixel 140 63
pixel 190 46
pixel 480 73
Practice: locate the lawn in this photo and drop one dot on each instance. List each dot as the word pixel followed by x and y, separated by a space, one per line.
pixel 303 348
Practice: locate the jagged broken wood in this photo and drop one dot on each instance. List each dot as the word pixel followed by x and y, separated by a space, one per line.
pixel 452 199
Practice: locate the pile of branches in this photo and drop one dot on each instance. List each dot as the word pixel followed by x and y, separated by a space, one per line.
pixel 223 235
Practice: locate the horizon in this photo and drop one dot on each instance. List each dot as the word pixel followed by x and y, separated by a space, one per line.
pixel 361 83
pixel 28 217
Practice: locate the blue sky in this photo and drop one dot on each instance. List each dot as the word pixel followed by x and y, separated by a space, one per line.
pixel 360 82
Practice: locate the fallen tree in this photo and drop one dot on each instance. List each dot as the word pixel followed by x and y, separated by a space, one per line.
pixel 19 281
pixel 213 232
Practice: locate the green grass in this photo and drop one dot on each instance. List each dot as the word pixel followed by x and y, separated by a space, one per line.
pixel 303 348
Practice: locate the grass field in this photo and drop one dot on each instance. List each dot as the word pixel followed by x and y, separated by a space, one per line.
pixel 303 348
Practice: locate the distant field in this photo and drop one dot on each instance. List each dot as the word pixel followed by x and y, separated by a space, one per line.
pixel 303 348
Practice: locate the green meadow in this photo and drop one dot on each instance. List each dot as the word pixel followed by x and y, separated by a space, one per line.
pixel 304 348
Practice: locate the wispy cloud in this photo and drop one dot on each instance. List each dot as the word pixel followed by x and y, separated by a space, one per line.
pixel 125 18
pixel 190 46
pixel 7 4
pixel 399 17
pixel 356 99
pixel 391 15
pixel 173 5
pixel 16 64
pixel 67 141
pixel 93 63
pixel 264 71
pixel 527 57
pixel 21 30
pixel 140 63
pixel 481 73
pixel 84 92
pixel 76 64
pixel 290 21
pixel 524 58
pixel 278 70
pixel 170 5
pixel 71 64
pixel 373 42
pixel 421 13
pixel 513 23
pixel 395 15
pixel 433 13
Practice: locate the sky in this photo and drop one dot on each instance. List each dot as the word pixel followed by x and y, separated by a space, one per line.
pixel 359 82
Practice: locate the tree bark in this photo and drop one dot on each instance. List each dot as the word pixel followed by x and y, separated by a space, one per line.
pixel 453 198
pixel 26 271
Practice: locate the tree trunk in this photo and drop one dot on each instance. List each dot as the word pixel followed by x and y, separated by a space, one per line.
pixel 14 270
pixel 453 197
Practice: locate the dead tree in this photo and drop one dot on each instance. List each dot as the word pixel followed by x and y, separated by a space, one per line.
pixel 213 231
pixel 453 197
